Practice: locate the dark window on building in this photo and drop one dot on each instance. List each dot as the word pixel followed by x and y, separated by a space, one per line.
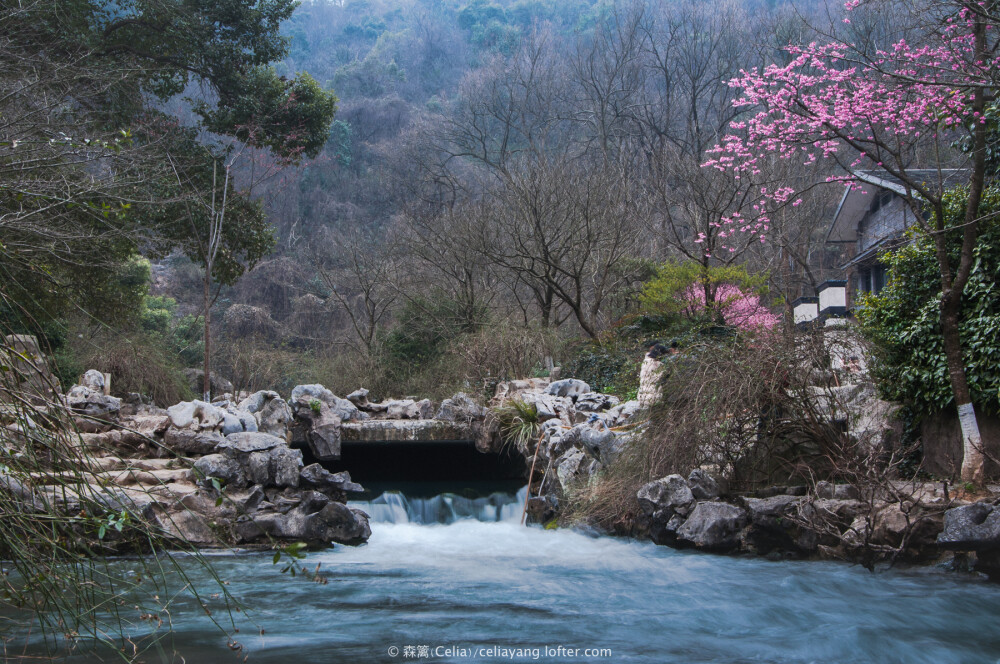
pixel 872 279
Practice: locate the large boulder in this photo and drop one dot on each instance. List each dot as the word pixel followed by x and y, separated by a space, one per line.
pixel 93 379
pixel 262 459
pixel 670 493
pixel 317 423
pixel 196 415
pixel 31 374
pixel 568 387
pixel 88 398
pixel 359 397
pixel 188 442
pixel 312 517
pixel 573 467
pixel 772 525
pixel 714 526
pixel 974 527
pixel 271 412
pixel 460 408
pixel 317 477
pixel 593 402
pixel 221 467
pixel 621 414
pixel 408 409
pixel 237 421
pixel 304 395
pixel 321 431
pixel 600 443
pixel 893 525
pixel 703 485
pixel 547 406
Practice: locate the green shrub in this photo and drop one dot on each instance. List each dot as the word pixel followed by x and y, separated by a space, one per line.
pixel 519 425
pixel 903 319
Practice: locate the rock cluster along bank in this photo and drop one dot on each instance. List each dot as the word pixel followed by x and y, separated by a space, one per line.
pixel 583 432
pixel 210 474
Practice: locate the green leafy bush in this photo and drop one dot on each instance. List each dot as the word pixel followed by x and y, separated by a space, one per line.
pixel 903 319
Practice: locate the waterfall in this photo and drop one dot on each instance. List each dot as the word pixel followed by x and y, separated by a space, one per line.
pixel 394 507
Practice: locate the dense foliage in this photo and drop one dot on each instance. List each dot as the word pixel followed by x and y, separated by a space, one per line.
pixel 903 319
pixel 96 167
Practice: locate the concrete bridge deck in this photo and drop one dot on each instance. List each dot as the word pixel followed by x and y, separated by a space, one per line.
pixel 375 432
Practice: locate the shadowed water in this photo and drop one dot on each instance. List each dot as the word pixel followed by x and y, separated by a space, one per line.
pixel 464 575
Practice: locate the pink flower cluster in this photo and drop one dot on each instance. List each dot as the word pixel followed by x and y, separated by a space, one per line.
pixel 739 308
pixel 831 102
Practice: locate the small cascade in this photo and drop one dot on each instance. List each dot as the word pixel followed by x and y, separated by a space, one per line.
pixel 394 507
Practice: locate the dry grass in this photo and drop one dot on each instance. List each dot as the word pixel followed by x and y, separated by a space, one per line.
pixel 744 408
pixel 138 365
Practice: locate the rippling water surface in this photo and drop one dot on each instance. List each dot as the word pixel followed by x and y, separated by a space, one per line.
pixel 465 580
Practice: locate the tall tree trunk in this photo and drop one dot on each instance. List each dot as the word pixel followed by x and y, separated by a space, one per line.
pixel 973 459
pixel 207 383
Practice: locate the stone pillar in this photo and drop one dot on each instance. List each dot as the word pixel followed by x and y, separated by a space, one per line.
pixel 805 310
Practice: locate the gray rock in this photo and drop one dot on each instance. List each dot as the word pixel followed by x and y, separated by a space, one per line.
pixel 256 401
pixel 359 397
pixel 846 492
pixel 775 506
pixel 825 489
pixel 263 459
pixel 839 513
pixel 284 466
pixel 568 387
pixel 270 411
pixel 600 444
pixel 93 380
pixel 189 527
pixel 714 526
pixel 703 486
pixel 237 422
pixel 196 415
pixel 92 403
pixel 663 525
pixel 315 519
pixel 324 437
pixel 773 528
pixel 257 468
pixel 250 441
pixel 836 491
pixel 460 408
pixel 547 406
pixel 343 524
pixel 572 467
pixel 222 467
pixel 668 494
pixel 974 527
pixel 621 414
pixel 190 441
pixel 403 409
pixel 318 477
pixel 593 402
pixel 303 395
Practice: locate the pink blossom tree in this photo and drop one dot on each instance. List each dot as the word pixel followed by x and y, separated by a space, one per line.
pixel 881 108
pixel 737 307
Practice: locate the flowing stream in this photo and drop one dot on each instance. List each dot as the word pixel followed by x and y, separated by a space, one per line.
pixel 450 579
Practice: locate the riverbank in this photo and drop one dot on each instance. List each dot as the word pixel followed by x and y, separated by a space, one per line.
pixel 232 473
pixel 586 475
pixel 427 580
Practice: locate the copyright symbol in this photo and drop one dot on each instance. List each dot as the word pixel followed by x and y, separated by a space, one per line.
pixel 393 651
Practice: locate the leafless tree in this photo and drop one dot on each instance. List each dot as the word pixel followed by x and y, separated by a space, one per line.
pixel 361 275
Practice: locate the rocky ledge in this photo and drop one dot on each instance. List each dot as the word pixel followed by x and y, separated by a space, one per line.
pixel 209 474
pixel 582 432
